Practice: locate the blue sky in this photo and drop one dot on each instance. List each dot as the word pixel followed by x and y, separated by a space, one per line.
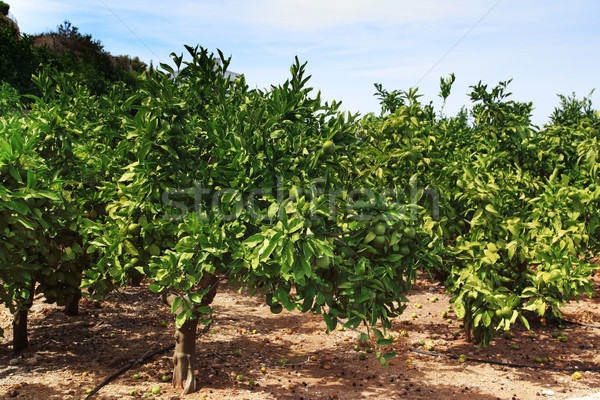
pixel 547 47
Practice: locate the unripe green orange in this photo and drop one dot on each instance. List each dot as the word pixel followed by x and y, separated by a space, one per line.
pixel 329 147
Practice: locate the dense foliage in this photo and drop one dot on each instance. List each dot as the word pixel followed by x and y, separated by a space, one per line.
pixel 193 178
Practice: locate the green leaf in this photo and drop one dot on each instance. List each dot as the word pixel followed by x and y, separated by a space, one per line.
pixel 529 291
pixel 176 304
pixel 369 238
pixel 181 318
pixel 459 308
pixel 196 297
pixel 511 248
pixel 287 256
pixel 127 176
pixel 330 321
pixel 524 322
pixel 254 240
pixel 384 342
pixel 27 224
pixel 377 333
pixel 325 249
pixel 273 210
pixel 272 243
pixel 490 208
pixel 30 179
pixel 156 288
pixel 486 319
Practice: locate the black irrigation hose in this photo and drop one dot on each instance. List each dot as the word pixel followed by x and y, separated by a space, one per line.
pixel 504 364
pixel 127 368
pixel 590 368
pixel 143 359
pixel 140 361
pixel 146 357
pixel 581 324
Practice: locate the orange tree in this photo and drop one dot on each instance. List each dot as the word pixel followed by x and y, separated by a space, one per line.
pixel 194 178
pixel 33 216
pixel 55 159
pixel 268 189
pixel 516 210
pixel 513 205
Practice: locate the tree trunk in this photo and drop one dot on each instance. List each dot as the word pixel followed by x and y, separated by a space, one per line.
pixel 134 277
pixel 20 339
pixel 72 307
pixel 184 358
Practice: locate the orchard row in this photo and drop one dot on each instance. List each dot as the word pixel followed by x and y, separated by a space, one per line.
pixel 100 191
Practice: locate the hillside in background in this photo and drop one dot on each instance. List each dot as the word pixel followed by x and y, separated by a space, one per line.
pixel 65 49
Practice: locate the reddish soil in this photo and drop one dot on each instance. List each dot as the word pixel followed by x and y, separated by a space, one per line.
pixel 69 355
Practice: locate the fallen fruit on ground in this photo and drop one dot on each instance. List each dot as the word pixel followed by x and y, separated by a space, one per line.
pixel 562 338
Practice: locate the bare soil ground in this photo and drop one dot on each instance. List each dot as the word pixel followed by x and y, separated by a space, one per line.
pixel 69 355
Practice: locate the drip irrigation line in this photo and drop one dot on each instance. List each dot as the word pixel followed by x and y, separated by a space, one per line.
pixel 127 368
pixel 581 324
pixel 507 364
pixel 500 363
pixel 138 362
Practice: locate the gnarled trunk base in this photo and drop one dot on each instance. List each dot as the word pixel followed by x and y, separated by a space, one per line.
pixel 184 358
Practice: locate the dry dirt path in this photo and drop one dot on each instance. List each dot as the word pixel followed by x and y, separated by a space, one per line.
pixel 289 356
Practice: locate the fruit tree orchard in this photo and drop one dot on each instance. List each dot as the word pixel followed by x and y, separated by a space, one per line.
pixel 192 179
